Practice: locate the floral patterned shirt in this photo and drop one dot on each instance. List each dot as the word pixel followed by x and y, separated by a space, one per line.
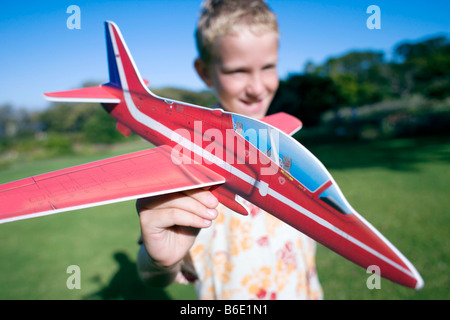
pixel 252 257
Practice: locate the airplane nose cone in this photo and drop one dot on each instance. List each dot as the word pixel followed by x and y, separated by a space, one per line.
pixel 369 242
pixel 420 283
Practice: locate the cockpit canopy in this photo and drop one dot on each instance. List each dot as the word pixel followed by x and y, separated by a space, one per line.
pixel 293 158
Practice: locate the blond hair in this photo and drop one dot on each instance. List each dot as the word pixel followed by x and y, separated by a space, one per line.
pixel 223 17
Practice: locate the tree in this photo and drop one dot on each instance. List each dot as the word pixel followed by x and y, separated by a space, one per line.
pixel 359 76
pixel 424 67
pixel 306 97
pixel 100 127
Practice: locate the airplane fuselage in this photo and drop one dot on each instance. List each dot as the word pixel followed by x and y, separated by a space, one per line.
pixel 209 137
pixel 234 155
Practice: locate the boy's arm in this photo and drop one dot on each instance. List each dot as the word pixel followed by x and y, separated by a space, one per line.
pixel 153 274
pixel 169 226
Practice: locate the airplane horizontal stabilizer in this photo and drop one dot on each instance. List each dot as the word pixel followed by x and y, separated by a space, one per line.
pixel 100 94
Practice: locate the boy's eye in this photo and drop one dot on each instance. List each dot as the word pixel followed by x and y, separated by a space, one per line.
pixel 269 67
pixel 235 71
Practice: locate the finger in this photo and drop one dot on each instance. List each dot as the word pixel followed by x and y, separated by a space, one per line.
pixel 203 196
pixel 162 219
pixel 154 201
pixel 188 204
pixel 199 201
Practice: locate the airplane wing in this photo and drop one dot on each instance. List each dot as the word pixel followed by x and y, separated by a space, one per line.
pixel 284 122
pixel 130 176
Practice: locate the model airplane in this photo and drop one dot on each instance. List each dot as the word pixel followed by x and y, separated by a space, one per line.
pixel 200 147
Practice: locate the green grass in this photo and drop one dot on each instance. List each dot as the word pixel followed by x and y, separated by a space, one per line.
pixel 400 186
pixel 102 241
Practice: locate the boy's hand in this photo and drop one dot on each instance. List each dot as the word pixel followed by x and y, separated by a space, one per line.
pixel 170 223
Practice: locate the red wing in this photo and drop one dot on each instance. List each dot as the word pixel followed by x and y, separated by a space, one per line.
pixel 284 122
pixel 131 176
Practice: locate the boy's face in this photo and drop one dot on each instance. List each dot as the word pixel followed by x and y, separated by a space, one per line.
pixel 244 73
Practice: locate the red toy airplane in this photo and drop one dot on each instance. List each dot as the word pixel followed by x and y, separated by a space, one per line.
pixel 199 147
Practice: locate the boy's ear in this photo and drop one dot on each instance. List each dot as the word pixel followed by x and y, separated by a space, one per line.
pixel 203 71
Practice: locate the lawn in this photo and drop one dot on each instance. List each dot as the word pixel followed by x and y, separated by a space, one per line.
pixel 401 186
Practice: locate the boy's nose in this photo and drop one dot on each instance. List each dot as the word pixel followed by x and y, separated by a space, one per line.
pixel 255 86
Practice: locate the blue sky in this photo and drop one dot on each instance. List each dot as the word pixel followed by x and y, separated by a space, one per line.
pixel 40 54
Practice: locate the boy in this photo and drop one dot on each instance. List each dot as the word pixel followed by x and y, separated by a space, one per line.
pixel 233 256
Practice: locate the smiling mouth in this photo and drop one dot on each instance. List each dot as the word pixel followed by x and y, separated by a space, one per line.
pixel 255 104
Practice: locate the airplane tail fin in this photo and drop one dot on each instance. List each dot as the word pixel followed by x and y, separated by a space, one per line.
pixel 123 73
pixel 114 77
